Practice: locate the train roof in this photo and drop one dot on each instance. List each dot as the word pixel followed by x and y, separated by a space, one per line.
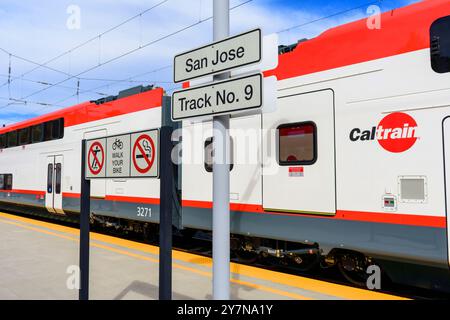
pixel 127 101
pixel 402 30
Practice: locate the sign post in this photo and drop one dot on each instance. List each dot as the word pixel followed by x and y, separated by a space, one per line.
pixel 221 173
pixel 131 155
pixel 218 100
pixel 85 208
pixel 165 215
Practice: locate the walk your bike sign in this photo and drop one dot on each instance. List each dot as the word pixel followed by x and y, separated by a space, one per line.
pixel 131 155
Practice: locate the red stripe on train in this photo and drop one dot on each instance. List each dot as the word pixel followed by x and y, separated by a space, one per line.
pixel 38 193
pixel 377 217
pixel 118 198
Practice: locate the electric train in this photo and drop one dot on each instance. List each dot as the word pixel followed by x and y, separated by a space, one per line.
pixel 352 167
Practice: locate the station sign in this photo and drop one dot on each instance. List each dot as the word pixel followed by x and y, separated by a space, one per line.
pixel 237 51
pixel 222 97
pixel 131 155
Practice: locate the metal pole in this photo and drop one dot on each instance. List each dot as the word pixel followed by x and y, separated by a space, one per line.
pixel 85 209
pixel 165 215
pixel 221 173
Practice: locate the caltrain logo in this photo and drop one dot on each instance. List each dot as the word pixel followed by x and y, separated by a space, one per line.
pixel 397 132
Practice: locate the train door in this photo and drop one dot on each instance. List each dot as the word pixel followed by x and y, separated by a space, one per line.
pixel 446 135
pixel 98 186
pixel 53 194
pixel 299 155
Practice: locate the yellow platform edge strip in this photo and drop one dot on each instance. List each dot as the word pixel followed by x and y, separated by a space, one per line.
pixel 336 290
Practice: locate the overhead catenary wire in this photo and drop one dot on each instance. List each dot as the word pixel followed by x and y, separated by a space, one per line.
pixel 26 102
pixel 45 83
pixel 190 26
pixel 44 65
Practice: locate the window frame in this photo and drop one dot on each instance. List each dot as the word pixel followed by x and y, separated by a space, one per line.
pixel 436 64
pixel 299 162
pixel 50 178
pixel 58 178
pixel 41 139
pixel 3 141
pixel 57 129
pixel 19 136
pixel 17 139
pixel 209 168
pixel 7 186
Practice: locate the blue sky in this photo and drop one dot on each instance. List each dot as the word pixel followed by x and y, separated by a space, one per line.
pixel 37 31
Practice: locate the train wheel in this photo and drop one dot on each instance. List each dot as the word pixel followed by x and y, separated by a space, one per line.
pixel 353 267
pixel 247 257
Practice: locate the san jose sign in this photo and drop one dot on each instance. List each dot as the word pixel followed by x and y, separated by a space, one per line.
pixel 233 52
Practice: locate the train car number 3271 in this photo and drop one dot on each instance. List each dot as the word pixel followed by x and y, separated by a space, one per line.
pixel 144 212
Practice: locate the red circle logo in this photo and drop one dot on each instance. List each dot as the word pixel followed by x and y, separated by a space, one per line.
pixel 397 132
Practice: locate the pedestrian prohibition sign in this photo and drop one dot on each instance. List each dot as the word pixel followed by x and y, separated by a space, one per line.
pixel 95 158
pixel 144 154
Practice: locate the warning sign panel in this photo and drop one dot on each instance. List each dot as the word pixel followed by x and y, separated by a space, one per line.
pixel 131 155
pixel 118 156
pixel 95 158
pixel 145 154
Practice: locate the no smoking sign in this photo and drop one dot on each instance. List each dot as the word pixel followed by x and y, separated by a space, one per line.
pixel 144 154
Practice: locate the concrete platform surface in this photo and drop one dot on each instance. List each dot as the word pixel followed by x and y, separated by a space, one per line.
pixel 38 260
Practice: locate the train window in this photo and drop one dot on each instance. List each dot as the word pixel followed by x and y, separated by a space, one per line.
pixel 3 141
pixel 48 131
pixel 58 129
pixel 54 129
pixel 7 181
pixel 2 182
pixel 24 136
pixel 209 154
pixel 50 178
pixel 440 45
pixel 12 139
pixel 37 133
pixel 58 178
pixel 297 143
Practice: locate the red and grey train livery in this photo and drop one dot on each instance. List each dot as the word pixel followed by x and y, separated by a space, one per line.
pixel 352 168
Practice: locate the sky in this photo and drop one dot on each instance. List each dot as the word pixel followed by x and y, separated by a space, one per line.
pixel 99 47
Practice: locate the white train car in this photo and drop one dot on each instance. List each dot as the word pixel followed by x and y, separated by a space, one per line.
pixel 40 159
pixel 353 160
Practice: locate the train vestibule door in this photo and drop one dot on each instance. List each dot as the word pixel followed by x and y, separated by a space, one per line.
pixel 299 155
pixel 53 193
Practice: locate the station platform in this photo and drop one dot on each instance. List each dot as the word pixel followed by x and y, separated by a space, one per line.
pixel 37 258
